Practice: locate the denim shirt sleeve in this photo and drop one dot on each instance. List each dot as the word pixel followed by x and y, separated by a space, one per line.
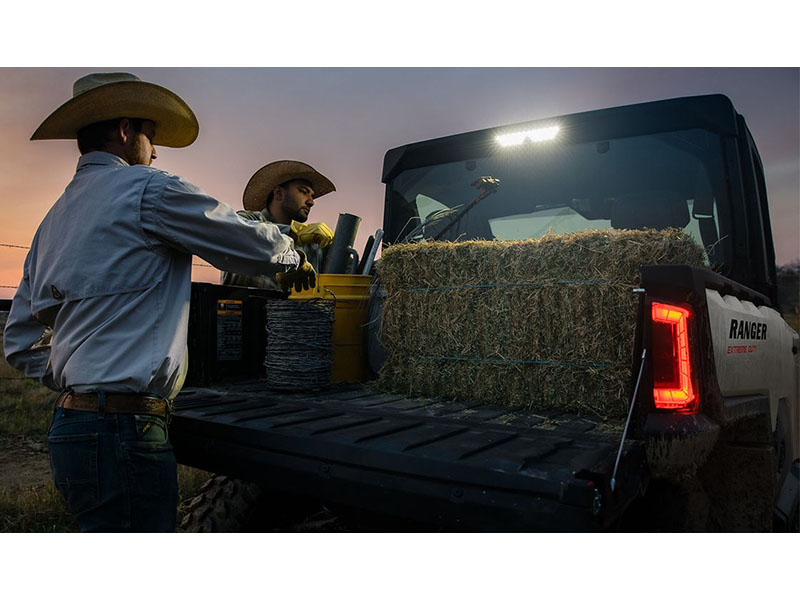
pixel 263 216
pixel 23 338
pixel 182 216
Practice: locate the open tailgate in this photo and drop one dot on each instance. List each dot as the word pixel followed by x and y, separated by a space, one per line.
pixel 470 467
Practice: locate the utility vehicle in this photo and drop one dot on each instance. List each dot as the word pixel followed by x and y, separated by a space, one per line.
pixel 712 441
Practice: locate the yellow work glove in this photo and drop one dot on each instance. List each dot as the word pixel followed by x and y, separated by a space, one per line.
pixel 312 233
pixel 304 277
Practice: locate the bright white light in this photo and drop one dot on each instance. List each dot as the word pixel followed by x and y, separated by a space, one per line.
pixel 534 135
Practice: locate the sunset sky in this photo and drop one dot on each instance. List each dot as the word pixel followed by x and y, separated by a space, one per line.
pixel 342 121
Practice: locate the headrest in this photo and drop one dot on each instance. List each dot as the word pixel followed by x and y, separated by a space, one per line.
pixel 650 210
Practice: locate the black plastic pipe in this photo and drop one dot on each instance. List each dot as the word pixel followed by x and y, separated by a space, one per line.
pixel 343 239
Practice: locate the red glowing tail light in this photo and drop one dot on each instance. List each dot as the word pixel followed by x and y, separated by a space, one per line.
pixel 672 369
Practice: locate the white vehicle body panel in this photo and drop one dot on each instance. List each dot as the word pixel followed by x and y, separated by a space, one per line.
pixel 753 354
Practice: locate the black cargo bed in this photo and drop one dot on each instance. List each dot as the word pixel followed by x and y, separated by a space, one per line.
pixel 458 466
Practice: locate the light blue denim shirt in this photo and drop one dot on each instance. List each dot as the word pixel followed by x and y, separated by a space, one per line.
pixel 263 280
pixel 109 270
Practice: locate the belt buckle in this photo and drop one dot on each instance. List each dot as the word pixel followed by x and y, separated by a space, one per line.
pixel 62 399
pixel 167 406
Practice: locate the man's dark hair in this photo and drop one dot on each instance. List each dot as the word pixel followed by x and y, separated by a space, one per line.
pixel 95 136
pixel 284 185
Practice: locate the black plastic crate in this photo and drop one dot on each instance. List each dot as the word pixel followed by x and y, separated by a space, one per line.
pixel 227 336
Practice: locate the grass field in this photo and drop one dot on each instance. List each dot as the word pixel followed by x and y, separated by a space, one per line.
pixel 36 506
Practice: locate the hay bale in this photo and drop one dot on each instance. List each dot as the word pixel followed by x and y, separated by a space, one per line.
pixel 545 323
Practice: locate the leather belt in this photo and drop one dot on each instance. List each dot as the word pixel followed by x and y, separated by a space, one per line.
pixel 127 404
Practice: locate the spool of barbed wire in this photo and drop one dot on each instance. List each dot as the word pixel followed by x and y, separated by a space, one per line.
pixel 299 349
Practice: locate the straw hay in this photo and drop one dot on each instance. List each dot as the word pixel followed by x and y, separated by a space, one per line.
pixel 547 323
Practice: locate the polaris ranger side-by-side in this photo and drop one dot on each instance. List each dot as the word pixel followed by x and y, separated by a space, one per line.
pixel 716 451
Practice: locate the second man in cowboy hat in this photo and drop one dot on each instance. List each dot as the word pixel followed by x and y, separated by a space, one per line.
pixel 283 193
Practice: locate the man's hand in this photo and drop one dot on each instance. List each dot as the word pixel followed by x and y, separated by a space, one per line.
pixel 304 277
pixel 312 233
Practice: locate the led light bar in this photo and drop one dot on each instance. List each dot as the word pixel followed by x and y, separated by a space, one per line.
pixel 533 135
pixel 672 386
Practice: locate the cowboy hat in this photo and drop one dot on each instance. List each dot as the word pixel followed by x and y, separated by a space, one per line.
pixel 270 176
pixel 104 96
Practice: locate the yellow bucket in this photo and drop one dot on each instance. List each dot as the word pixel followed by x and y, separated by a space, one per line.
pixel 351 294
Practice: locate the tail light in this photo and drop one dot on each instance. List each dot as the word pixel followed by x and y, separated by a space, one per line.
pixel 672 369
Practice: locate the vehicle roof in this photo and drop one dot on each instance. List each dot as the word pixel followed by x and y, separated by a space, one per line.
pixel 713 112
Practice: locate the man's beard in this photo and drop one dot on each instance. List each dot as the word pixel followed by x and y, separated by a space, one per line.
pixel 301 217
pixel 134 154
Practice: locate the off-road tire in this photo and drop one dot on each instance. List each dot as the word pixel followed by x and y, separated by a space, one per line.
pixel 222 505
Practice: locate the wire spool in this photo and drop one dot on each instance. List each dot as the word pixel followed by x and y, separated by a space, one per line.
pixel 299 350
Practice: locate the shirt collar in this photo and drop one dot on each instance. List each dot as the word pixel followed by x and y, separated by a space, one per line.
pixel 267 215
pixel 270 219
pixel 101 158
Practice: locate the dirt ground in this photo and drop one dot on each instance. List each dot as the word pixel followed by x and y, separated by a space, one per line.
pixel 23 463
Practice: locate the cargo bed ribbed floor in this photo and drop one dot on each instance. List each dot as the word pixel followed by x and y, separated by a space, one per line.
pixel 463 466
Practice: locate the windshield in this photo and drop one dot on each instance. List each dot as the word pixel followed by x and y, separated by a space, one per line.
pixel 673 179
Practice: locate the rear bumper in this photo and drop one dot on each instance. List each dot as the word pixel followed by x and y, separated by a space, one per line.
pixel 678 445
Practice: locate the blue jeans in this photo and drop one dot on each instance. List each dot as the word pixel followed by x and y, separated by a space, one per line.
pixel 117 472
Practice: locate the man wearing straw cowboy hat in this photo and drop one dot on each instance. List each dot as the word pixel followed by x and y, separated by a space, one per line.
pixel 283 192
pixel 109 272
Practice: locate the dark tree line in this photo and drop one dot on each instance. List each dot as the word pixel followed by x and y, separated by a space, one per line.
pixel 789 286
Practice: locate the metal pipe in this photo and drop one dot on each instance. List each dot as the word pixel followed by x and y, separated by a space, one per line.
pixel 367 249
pixel 372 251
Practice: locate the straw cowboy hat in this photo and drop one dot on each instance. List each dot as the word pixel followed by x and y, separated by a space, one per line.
pixel 104 96
pixel 270 176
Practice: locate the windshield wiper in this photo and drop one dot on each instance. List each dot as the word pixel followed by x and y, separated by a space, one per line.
pixel 427 222
pixel 487 185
